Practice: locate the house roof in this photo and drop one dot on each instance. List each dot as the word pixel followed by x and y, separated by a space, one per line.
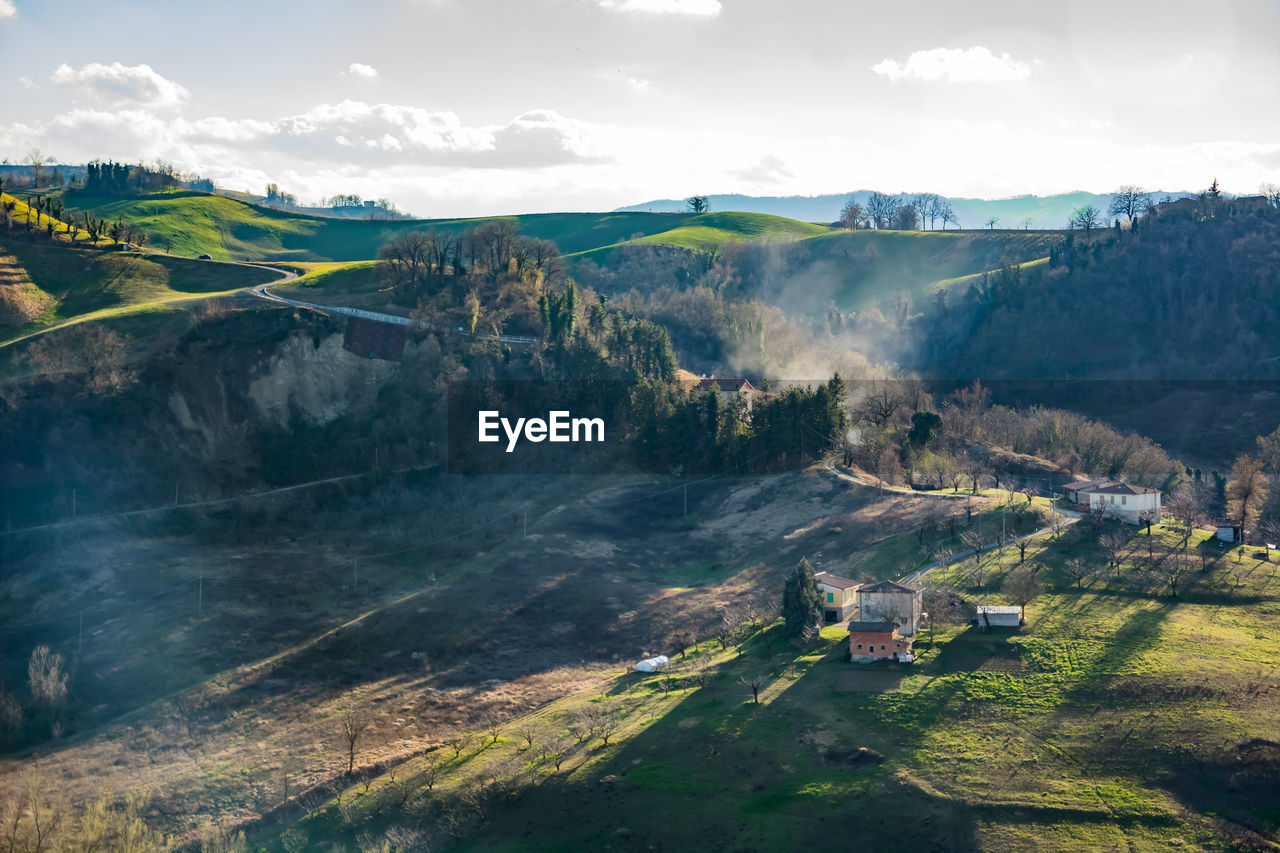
pixel 836 581
pixel 872 627
pixel 999 608
pixel 1079 485
pixel 1106 487
pixel 889 586
pixel 727 384
pixel 1122 489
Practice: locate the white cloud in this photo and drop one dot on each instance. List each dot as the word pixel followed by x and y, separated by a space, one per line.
pixel 27 82
pixel 7 9
pixel 639 85
pixel 695 8
pixel 769 169
pixel 360 70
pixel 955 65
pixel 122 85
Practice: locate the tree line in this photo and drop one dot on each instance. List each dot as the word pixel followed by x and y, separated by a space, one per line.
pixel 1189 290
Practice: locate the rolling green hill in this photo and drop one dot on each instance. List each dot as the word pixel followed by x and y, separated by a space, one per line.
pixel 715 229
pixel 230 229
pixel 45 284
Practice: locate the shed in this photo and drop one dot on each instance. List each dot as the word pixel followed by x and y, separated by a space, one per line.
pixel 999 615
pixel 1227 532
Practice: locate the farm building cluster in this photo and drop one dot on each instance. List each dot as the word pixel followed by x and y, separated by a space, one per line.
pixel 883 617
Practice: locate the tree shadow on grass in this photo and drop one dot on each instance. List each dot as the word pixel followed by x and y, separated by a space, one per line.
pixel 719 772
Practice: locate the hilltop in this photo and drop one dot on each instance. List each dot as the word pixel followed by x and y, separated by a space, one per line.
pixel 52 281
pixel 192 223
pixel 1050 211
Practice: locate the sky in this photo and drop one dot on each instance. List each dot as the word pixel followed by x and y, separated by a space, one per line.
pixel 480 107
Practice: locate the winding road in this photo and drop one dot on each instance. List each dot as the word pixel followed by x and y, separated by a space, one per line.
pixel 263 291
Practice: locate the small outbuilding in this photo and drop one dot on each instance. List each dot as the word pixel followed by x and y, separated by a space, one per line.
pixel 873 641
pixel 652 664
pixel 999 616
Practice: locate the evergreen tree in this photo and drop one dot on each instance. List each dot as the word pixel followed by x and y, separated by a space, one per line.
pixel 801 599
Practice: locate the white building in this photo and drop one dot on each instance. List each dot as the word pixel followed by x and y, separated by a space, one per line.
pixel 999 616
pixel 1124 501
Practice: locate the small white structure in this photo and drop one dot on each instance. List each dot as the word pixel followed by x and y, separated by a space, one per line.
pixel 1227 531
pixel 999 616
pixel 651 664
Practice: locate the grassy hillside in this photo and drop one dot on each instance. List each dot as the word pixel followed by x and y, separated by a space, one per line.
pixel 51 283
pixel 715 229
pixel 854 269
pixel 357 284
pixel 231 229
pixel 1120 717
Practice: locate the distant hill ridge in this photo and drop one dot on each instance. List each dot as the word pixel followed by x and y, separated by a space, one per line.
pixel 1050 211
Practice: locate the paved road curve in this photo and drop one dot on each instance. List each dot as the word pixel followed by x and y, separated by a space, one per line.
pixel 262 291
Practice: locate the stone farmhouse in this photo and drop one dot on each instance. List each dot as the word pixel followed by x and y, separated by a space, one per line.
pixel 888 601
pixel 844 599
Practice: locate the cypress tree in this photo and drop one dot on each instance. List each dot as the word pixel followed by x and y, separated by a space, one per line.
pixel 801 599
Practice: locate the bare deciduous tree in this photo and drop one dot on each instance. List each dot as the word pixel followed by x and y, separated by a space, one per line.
pixel 1078 569
pixel 46 678
pixel 1112 544
pixel 1130 202
pixel 409 257
pixel 493 725
pixel 1185 507
pixel 1246 492
pixel 1022 586
pixel 1085 218
pixel 880 405
pixel 352 725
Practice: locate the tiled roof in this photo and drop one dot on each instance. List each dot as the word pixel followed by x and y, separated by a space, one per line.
pixel 872 627
pixel 836 581
pixel 1122 489
pixel 889 586
pixel 1106 487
